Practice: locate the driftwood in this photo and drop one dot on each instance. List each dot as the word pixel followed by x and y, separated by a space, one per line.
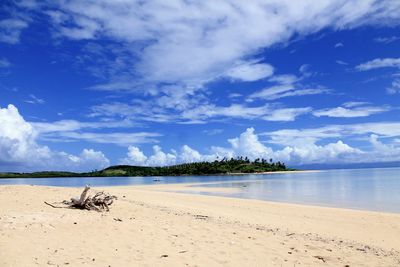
pixel 99 202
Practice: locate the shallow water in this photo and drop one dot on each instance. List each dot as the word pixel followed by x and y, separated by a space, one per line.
pixel 370 189
pixel 366 189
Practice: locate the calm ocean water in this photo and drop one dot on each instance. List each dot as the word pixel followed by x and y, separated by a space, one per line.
pixel 369 189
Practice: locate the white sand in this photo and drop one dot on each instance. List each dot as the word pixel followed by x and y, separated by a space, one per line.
pixel 173 229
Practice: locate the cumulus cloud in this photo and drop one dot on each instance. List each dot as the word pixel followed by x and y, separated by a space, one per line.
pixel 19 150
pixel 134 157
pixel 160 158
pixel 296 147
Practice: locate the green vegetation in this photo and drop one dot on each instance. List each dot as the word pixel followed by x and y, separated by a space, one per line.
pixel 225 166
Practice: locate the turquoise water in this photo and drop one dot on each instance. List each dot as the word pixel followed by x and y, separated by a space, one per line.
pixel 369 189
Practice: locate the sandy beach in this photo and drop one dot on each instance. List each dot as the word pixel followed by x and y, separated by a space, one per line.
pixel 148 226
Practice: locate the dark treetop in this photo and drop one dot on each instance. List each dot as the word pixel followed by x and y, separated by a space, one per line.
pixel 224 166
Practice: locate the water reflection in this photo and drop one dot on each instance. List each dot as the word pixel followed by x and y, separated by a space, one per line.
pixel 372 189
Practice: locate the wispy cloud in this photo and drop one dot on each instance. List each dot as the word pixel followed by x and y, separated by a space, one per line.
pixel 337 45
pixel 4 63
pixel 10 30
pixel 204 46
pixel 118 138
pixel 281 91
pixel 394 88
pixel 340 62
pixel 213 131
pixel 72 131
pixel 286 114
pixel 379 63
pixel 384 63
pixel 387 40
pixel 351 110
pixel 74 125
pixel 290 136
pixel 34 100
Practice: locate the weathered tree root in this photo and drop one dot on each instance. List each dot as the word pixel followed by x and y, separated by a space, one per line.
pixel 99 202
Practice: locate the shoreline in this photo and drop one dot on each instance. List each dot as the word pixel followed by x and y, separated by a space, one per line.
pixel 205 175
pixel 147 226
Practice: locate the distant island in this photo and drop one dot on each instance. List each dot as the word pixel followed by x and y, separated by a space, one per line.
pixel 238 165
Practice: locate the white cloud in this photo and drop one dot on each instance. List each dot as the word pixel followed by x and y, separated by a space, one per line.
pixel 232 111
pixel 239 111
pixel 250 71
pixel 387 40
pixel 247 144
pixel 4 63
pixel 19 150
pixel 119 138
pixel 285 79
pixel 286 114
pixel 234 95
pixel 134 157
pixel 188 154
pixel 160 158
pixel 87 160
pixel 10 30
pixel 187 44
pixel 188 113
pixel 213 131
pixel 196 42
pixel 352 104
pixel 73 125
pixel 302 151
pixel 337 45
pixel 351 110
pixel 34 100
pixel 383 63
pixel 340 62
pixel 387 130
pixel 285 90
pixel 386 152
pixel 72 130
pixel 379 63
pixel 394 88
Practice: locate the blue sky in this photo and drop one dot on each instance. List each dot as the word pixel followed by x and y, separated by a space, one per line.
pixel 89 84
